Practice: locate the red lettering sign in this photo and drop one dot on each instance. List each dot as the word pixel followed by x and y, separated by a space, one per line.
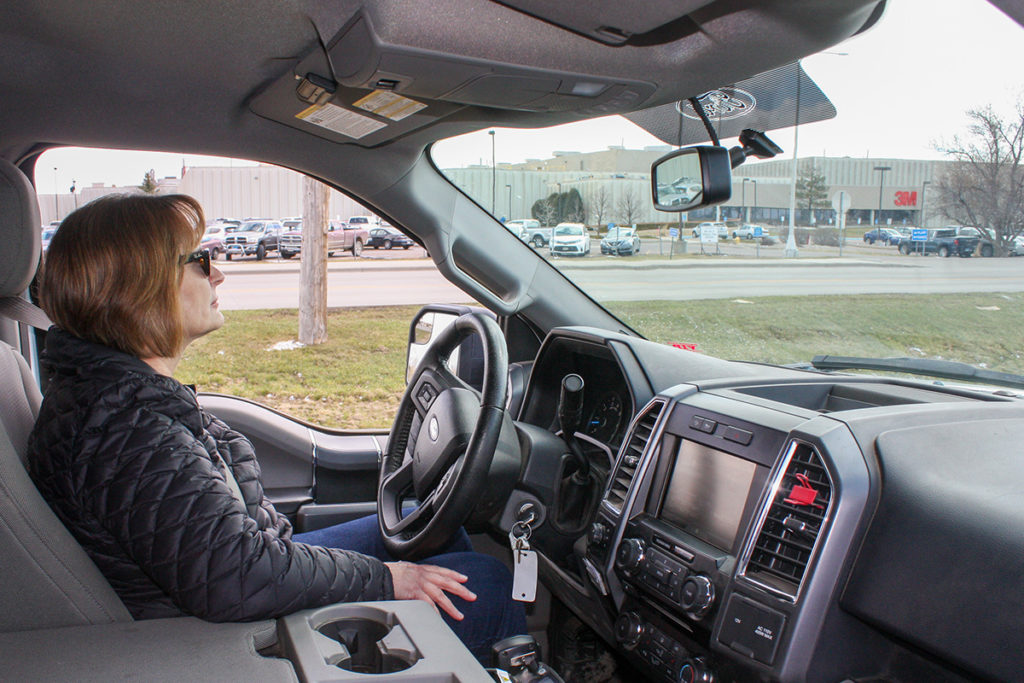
pixel 904 198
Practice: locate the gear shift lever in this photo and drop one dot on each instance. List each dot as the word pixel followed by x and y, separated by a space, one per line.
pixel 519 657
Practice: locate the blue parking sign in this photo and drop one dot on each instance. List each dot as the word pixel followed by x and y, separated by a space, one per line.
pixel 758 231
pixel 918 235
pixel 673 232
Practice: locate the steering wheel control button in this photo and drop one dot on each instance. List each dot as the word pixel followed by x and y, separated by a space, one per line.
pixel 426 395
pixel 752 629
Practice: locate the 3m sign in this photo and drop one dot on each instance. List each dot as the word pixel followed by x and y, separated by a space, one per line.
pixel 905 198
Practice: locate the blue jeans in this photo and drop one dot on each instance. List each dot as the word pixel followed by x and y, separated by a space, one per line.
pixel 491 617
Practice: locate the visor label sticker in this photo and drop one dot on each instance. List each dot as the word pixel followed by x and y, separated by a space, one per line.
pixel 389 105
pixel 340 120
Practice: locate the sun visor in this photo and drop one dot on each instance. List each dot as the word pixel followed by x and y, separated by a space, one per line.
pixel 765 102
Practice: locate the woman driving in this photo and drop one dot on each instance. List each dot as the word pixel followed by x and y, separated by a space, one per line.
pixel 165 497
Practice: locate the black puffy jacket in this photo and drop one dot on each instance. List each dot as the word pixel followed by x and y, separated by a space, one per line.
pixel 128 461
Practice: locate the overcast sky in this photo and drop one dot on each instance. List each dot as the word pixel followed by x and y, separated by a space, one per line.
pixel 900 89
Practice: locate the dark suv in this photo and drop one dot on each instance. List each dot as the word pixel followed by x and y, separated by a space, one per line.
pixel 253 237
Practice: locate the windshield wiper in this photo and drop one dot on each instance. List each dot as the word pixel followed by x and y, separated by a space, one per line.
pixel 947 369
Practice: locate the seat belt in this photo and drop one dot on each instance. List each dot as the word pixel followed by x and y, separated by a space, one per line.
pixel 24 311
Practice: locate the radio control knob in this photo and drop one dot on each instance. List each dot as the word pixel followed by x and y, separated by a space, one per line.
pixel 629 629
pixel 697 595
pixel 696 670
pixel 630 556
pixel 598 534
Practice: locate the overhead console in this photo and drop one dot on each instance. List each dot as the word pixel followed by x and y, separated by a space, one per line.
pixel 366 90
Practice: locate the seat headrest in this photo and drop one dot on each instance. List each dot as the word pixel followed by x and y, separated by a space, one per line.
pixel 20 230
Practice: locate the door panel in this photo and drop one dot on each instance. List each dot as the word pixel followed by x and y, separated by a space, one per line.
pixel 316 477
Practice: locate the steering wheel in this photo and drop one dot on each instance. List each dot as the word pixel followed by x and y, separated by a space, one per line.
pixel 442 442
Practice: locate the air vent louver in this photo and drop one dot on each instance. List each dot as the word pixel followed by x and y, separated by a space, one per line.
pixel 631 454
pixel 790 530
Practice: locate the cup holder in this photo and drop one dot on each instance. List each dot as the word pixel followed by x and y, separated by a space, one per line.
pixel 370 646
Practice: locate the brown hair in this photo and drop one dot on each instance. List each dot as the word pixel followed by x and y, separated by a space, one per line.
pixel 113 271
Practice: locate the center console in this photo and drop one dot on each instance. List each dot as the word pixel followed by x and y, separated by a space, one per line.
pixel 705 531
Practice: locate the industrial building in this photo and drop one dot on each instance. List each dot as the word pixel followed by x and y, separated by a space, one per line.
pixel 614 184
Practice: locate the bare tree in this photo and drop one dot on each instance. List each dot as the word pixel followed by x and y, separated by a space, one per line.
pixel 600 205
pixel 546 210
pixel 984 188
pixel 629 206
pixel 313 271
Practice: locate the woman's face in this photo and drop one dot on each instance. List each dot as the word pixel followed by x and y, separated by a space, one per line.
pixel 199 306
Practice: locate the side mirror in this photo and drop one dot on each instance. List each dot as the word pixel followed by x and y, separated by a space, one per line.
pixel 690 178
pixel 466 362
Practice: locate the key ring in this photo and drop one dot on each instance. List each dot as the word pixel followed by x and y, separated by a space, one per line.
pixel 522 535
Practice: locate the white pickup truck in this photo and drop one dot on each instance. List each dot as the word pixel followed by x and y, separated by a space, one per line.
pixel 530 231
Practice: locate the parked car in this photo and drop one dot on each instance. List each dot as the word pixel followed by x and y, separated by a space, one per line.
pixel 1017 246
pixel 889 236
pixel 253 237
pixel 47 236
pixel 530 231
pixel 749 231
pixel 291 239
pixel 570 239
pixel 721 229
pixel 621 241
pixel 213 238
pixel 386 237
pixel 943 242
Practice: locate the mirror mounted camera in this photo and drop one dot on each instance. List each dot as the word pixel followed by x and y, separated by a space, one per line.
pixel 691 177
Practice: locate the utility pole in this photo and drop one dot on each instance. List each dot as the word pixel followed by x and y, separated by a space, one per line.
pixel 313 266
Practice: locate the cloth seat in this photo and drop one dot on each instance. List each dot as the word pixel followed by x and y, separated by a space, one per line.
pixel 46 578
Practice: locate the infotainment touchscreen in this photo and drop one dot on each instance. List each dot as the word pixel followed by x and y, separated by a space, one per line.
pixel 707 493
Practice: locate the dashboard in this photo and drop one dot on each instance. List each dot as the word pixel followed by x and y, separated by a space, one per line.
pixel 767 523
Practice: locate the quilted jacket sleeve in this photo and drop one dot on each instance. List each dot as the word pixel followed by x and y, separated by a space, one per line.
pixel 175 516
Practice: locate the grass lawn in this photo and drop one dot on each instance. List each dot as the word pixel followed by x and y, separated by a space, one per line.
pixel 356 379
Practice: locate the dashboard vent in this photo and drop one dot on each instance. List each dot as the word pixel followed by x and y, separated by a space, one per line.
pixel 791 527
pixel 630 457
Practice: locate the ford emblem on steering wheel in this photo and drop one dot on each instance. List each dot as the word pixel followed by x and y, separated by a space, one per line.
pixel 433 429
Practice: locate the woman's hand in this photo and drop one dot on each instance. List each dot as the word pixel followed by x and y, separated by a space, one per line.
pixel 428 582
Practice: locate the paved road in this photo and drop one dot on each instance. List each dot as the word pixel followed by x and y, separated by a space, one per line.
pixel 371 282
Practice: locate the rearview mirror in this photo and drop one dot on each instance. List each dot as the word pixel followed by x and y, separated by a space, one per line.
pixel 691 177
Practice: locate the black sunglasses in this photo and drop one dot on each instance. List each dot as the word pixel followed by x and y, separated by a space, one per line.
pixel 201 256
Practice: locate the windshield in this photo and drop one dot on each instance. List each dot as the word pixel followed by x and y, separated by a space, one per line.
pixel 252 227
pixel 804 283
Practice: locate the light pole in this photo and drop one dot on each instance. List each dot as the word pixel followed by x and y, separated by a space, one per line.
pixel 755 196
pixel 881 183
pixel 924 188
pixel 743 209
pixel 56 210
pixel 509 188
pixel 791 250
pixel 494 173
pixel 74 186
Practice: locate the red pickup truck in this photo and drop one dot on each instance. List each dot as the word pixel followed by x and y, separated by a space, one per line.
pixel 340 237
